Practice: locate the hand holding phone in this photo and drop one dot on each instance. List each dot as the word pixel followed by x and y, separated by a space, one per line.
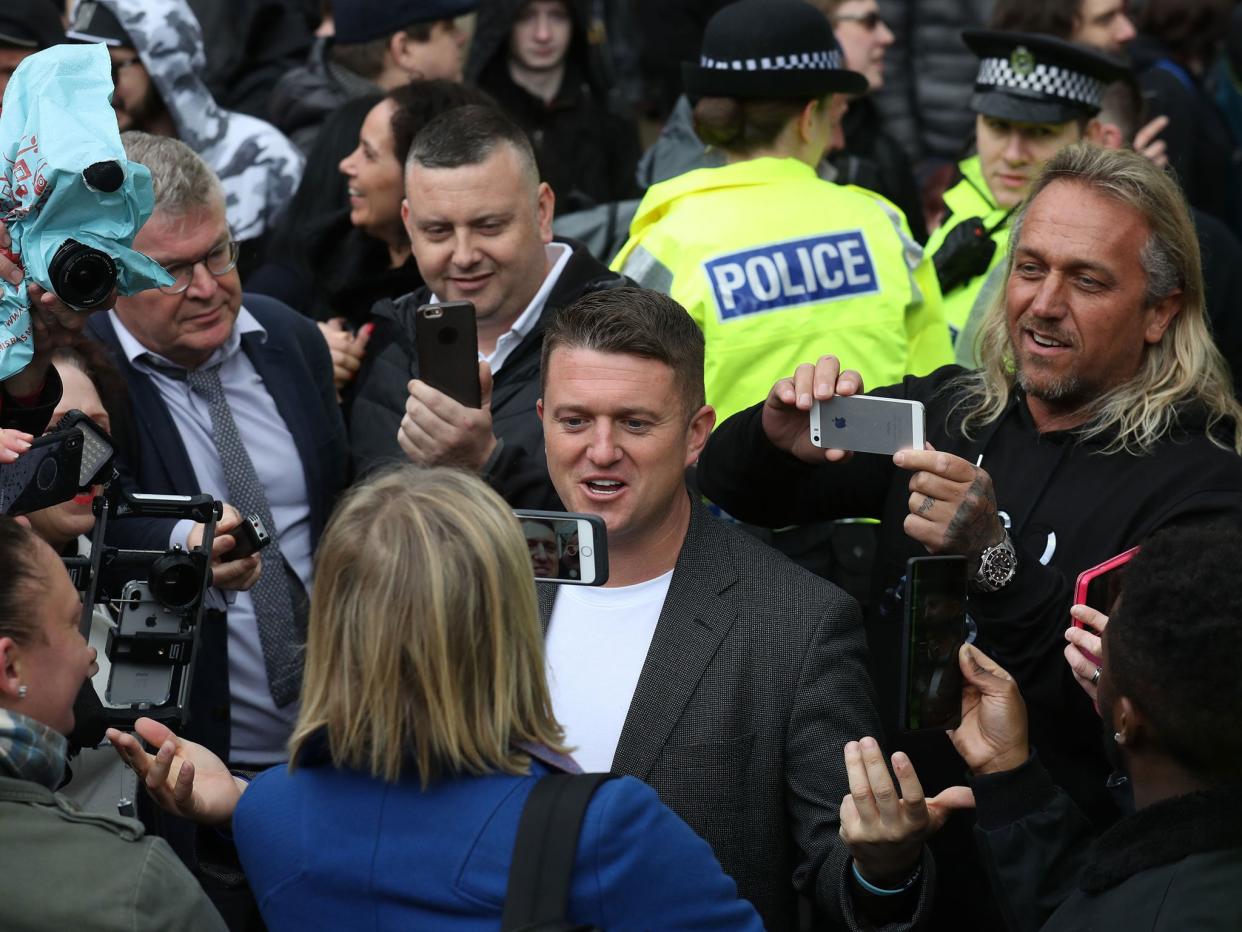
pixel 789 402
pixel 250 535
pixel 565 547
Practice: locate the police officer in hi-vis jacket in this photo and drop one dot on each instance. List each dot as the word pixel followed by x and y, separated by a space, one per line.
pixel 774 264
pixel 1034 95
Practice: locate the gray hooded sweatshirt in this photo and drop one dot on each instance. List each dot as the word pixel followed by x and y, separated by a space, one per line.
pixel 258 167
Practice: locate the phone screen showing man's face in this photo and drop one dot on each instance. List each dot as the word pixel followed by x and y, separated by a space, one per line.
pixel 937 626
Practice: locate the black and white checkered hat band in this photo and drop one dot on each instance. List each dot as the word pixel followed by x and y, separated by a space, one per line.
pixel 803 61
pixel 1043 79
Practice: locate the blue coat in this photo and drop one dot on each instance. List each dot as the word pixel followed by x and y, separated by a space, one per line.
pixel 337 849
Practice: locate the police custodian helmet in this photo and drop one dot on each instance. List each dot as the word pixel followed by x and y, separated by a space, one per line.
pixel 1034 78
pixel 770 50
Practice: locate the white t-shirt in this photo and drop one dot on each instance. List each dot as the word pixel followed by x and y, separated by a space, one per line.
pixel 597 643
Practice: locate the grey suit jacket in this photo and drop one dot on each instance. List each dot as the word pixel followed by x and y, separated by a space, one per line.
pixel 754 681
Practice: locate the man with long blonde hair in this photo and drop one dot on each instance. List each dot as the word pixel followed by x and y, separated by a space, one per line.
pixel 1102 411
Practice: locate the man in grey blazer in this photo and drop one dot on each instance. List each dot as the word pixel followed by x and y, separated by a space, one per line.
pixel 710 666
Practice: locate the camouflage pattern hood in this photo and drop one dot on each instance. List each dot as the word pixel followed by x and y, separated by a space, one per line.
pixel 258 167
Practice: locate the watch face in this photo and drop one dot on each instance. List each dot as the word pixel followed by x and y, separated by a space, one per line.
pixel 998 565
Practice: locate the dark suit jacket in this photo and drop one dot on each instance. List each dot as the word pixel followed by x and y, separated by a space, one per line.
pixel 296 367
pixel 754 682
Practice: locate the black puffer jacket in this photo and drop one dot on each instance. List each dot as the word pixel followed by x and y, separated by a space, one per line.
pixel 925 99
pixel 518 470
pixel 1201 150
pixel 586 152
pixel 305 96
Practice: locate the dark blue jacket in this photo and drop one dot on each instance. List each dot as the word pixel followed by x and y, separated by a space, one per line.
pixel 339 849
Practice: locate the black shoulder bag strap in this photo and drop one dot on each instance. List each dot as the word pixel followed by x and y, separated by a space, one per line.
pixel 542 866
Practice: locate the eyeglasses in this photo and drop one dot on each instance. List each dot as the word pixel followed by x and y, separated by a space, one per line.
pixel 119 66
pixel 868 21
pixel 220 261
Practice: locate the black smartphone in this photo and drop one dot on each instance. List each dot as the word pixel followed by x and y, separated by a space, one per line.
pixel 566 547
pixel 934 629
pixel 251 536
pixel 46 474
pixel 448 350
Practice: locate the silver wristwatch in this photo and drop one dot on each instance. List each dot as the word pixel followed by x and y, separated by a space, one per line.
pixel 998 565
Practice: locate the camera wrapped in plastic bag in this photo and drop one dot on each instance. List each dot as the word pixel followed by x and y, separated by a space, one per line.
pixel 70 199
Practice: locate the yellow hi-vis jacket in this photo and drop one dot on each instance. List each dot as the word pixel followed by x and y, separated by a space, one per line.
pixel 970 197
pixel 778 268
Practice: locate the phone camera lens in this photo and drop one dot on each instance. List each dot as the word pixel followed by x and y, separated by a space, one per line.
pixel 45 476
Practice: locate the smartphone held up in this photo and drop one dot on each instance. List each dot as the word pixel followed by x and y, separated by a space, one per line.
pixel 448 350
pixel 565 547
pixel 934 629
pixel 867 424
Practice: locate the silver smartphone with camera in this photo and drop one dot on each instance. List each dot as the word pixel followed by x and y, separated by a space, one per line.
pixel 130 682
pixel 867 424
pixel 565 547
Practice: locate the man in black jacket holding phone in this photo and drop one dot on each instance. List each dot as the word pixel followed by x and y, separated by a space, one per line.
pixel 1101 413
pixel 480 225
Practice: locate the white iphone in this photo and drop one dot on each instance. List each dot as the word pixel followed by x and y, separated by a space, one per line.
pixel 867 424
pixel 565 547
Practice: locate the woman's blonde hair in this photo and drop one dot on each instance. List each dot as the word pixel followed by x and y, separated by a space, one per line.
pixel 424 643
pixel 1184 367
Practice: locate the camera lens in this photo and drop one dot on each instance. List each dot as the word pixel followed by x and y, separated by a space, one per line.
pixel 174 579
pixel 45 475
pixel 82 277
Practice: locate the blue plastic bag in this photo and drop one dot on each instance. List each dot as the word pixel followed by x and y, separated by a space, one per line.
pixel 56 122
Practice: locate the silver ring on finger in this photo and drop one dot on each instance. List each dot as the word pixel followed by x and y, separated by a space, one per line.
pixel 1095 677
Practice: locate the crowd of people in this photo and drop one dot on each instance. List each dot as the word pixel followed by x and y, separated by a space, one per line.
pixel 679 227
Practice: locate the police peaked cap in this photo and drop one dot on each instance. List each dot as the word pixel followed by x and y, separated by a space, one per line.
pixel 1033 78
pixel 770 50
pixel 363 20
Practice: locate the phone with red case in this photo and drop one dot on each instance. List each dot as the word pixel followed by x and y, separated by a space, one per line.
pixel 1099 586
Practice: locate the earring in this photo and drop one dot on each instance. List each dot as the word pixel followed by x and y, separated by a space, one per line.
pixel 21 691
pixel 1119 737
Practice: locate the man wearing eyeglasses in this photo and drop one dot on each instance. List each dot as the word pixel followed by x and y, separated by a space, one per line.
pixel 231 395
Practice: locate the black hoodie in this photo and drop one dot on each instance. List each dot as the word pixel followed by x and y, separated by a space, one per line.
pixel 1070 507
pixel 586 153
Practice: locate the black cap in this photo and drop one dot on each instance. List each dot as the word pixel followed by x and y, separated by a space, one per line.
pixel 363 20
pixel 770 50
pixel 94 22
pixel 30 24
pixel 1034 78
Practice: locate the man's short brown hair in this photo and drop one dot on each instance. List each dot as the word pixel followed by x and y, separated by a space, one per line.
pixel 636 322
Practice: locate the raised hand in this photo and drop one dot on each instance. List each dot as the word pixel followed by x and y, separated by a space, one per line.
pixel 993 734
pixel 883 831
pixel 184 778
pixel 786 412
pixel 1084 652
pixel 438 431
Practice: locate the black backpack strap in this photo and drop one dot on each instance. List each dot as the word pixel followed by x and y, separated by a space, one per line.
pixel 542 866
